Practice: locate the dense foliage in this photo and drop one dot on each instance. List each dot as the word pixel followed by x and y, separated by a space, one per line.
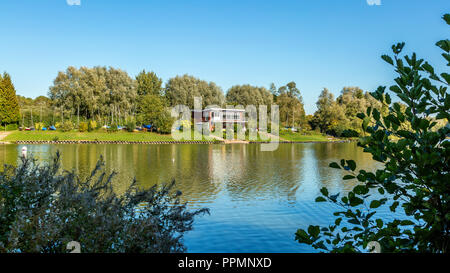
pixel 181 90
pixel 43 208
pixel 338 116
pixel 98 92
pixel 414 180
pixel 290 103
pixel 148 83
pixel 249 95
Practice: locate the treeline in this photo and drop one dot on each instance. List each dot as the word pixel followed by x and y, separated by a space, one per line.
pixel 109 96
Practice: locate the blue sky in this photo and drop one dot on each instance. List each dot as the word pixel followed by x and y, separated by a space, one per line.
pixel 317 44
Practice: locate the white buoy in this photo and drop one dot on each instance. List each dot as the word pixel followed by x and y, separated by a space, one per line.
pixel 24 152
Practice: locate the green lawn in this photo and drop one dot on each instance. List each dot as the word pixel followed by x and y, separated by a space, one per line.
pixel 292 136
pixel 136 136
pixel 94 136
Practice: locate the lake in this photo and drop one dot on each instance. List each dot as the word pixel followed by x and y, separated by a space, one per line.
pixel 257 199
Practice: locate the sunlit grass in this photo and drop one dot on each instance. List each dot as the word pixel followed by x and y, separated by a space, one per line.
pixel 89 136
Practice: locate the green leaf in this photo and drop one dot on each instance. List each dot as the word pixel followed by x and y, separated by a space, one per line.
pixel 444 45
pixel 320 199
pixel 406 223
pixel 314 231
pixel 387 59
pixel 302 236
pixel 375 204
pixel 446 18
pixel 388 98
pixel 348 177
pixel 376 114
pixel 427 67
pixel 360 189
pixel 351 164
pixel 334 165
pixel 394 206
pixel 355 201
pixel 446 77
pixel 324 191
pixel 379 223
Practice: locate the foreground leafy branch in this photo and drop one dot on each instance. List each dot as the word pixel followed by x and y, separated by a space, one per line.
pixel 415 178
pixel 43 208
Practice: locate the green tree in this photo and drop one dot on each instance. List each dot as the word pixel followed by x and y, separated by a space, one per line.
pixel 329 115
pixel 181 90
pixel 97 92
pixel 249 95
pixel 164 122
pixel 148 83
pixel 9 106
pixel 414 178
pixel 290 103
pixel 354 100
pixel 150 108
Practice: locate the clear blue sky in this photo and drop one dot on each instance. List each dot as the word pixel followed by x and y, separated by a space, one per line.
pixel 314 43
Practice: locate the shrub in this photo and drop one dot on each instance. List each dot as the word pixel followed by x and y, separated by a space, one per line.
pixel 414 178
pixel 43 208
pixel 131 126
pixel 164 123
pixel 92 125
pixel 83 126
pixel 185 124
pixel 11 127
pixel 113 128
pixel 66 126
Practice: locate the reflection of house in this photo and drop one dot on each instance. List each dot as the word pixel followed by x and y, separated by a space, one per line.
pixel 211 116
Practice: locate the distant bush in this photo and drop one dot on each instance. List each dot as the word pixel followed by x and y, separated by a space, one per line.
pixel 44 208
pixel 92 125
pixel 83 127
pixel 185 124
pixel 131 125
pixel 12 127
pixel 113 128
pixel 66 126
pixel 9 127
pixel 164 123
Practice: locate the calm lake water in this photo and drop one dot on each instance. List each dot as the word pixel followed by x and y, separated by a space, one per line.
pixel 257 199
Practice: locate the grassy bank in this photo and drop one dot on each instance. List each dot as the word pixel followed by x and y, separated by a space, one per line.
pixel 89 136
pixel 298 137
pixel 138 137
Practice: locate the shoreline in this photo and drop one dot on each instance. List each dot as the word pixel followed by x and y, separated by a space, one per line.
pixel 98 137
pixel 38 142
